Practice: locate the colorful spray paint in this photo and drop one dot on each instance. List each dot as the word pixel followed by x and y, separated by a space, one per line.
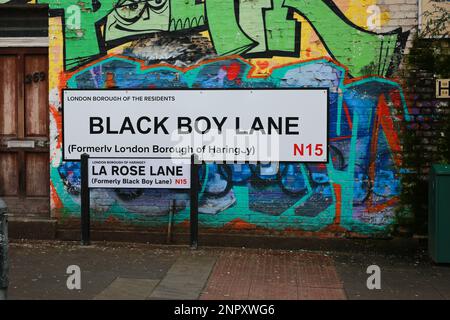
pixel 244 44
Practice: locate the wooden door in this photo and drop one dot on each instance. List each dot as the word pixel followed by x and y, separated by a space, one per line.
pixel 24 131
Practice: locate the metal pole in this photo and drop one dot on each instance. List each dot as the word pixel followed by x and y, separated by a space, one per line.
pixel 169 225
pixel 194 202
pixel 85 202
pixel 4 263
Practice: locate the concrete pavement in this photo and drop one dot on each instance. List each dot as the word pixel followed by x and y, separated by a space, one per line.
pixel 140 271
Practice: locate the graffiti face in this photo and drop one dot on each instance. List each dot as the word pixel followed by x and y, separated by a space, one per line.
pixel 135 17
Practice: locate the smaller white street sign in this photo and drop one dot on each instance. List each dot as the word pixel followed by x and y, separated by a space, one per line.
pixel 139 173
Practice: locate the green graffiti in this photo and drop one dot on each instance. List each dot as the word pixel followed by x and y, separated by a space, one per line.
pixel 186 14
pixel 253 24
pixel 267 23
pixel 80 45
pixel 361 51
pixel 282 33
pixel 260 28
pixel 138 18
pixel 226 33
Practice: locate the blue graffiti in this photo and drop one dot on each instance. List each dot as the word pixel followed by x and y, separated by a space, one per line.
pixel 362 160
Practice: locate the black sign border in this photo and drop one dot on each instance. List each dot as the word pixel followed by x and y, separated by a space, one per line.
pixel 327 89
pixel 146 158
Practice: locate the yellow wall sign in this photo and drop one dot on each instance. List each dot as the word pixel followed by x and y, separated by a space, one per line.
pixel 443 88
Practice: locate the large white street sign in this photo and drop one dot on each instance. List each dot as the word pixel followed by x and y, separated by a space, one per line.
pixel 217 125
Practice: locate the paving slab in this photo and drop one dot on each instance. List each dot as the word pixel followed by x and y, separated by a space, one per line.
pixel 314 293
pixel 273 275
pixel 38 268
pixel 402 278
pixel 186 278
pixel 128 289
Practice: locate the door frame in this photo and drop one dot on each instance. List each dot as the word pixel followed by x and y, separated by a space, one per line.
pixel 24 42
pixel 20 53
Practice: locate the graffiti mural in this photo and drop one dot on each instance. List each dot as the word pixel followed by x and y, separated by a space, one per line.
pixel 243 44
pixel 361 182
pixel 256 28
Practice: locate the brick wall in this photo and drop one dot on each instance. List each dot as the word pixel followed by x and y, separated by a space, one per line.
pixel 426 136
pixel 355 49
